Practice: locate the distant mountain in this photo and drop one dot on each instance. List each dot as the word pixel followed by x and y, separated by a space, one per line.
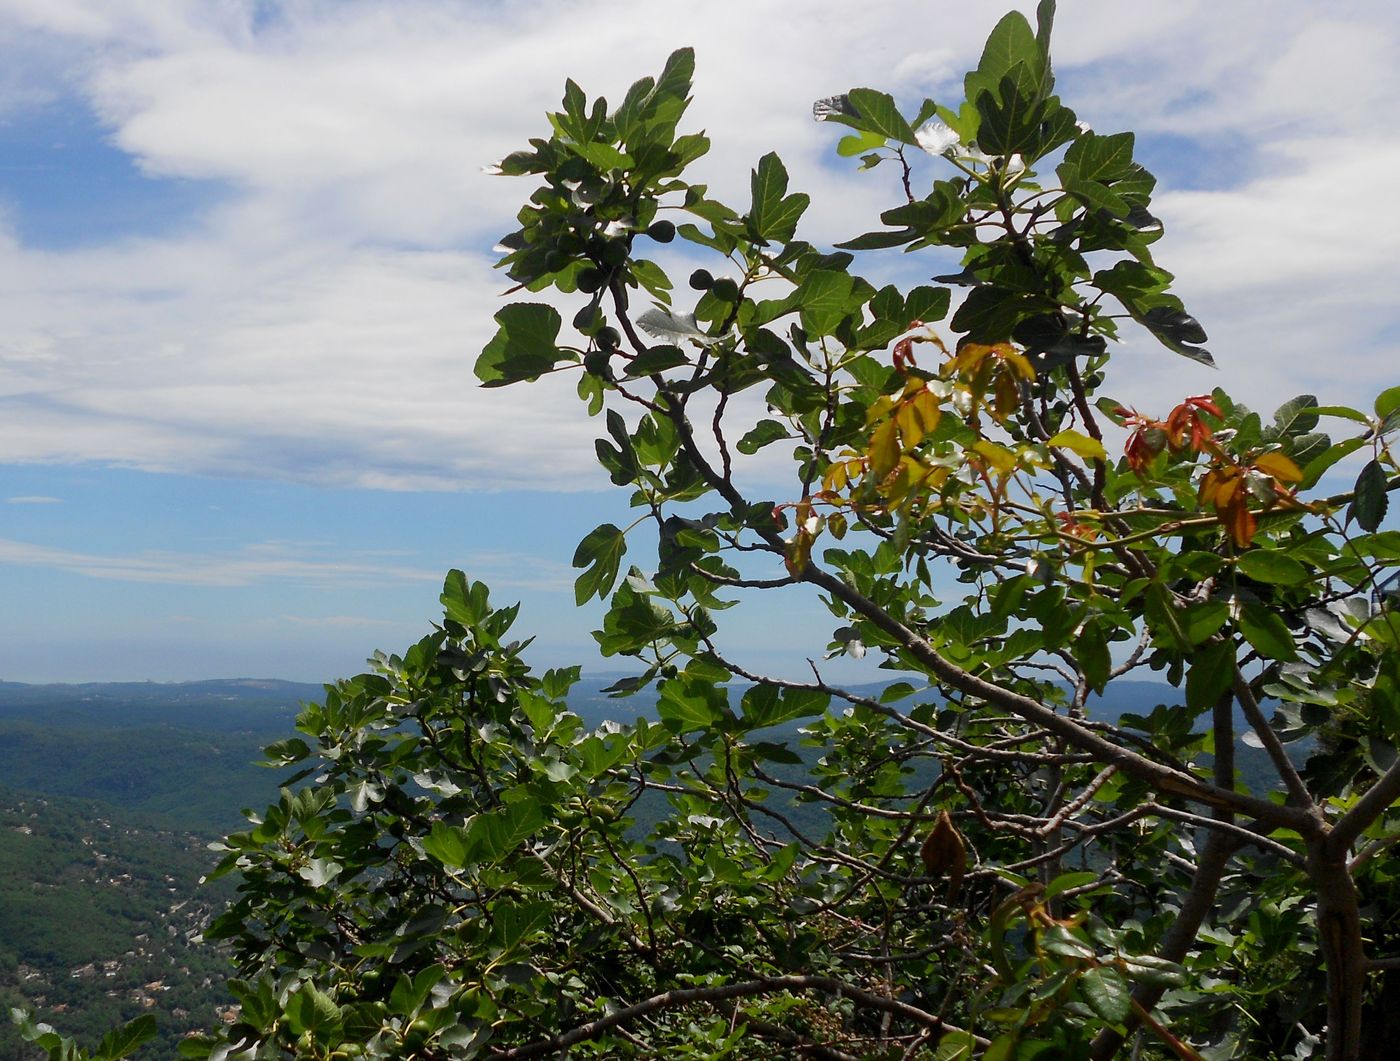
pixel 225 705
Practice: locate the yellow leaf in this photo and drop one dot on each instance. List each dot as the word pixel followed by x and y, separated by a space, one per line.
pixel 835 477
pixel 999 457
pixel 923 478
pixel 879 408
pixel 1078 443
pixel 1280 467
pixel 926 406
pixel 1006 397
pixel 884 449
pixel 1018 362
pixel 910 429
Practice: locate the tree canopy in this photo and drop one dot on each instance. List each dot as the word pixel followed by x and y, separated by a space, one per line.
pixel 994 854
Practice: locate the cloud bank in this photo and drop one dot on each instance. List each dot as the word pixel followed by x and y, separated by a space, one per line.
pixel 318 321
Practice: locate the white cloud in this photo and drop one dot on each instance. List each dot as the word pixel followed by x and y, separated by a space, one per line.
pixel 337 622
pixel 33 499
pixel 320 321
pixel 266 562
pixel 300 563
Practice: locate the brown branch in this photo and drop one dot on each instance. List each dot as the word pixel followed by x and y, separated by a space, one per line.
pixel 1162 778
pixel 690 995
pixel 1277 753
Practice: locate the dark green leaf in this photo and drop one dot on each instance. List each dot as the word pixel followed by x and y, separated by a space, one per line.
pixel 1011 42
pixel 524 347
pixel 514 921
pixel 1200 621
pixel 1179 331
pixel 464 601
pixel 824 299
pixel 1314 469
pixel 766 705
pixel 774 214
pixel 1011 118
pixel 1106 991
pixel 311 1010
pixel 989 314
pixel 1212 673
pixel 689 705
pixel 119 1042
pixel 491 836
pixel 763 433
pixel 927 304
pixel 1382 546
pixel 1059 940
pixel 1149 969
pixel 1267 632
pixel 1297 416
pixel 880 240
pixel 601 553
pixel 676 75
pixel 1099 158
pixel 656 359
pixel 1369 505
pixel 1091 651
pixel 410 992
pixel 877 112
pixel 447 844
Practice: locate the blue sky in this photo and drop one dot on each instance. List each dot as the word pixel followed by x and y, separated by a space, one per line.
pixel 245 269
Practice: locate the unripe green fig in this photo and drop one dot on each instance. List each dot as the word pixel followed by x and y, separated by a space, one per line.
pixel 726 290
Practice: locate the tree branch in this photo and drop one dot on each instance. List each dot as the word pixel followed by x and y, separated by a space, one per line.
pixel 719 993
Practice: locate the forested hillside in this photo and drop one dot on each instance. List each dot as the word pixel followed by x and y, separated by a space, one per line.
pixel 100 916
pixel 111 795
pixel 187 751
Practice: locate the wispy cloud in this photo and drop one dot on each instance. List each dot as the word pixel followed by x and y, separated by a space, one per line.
pixel 298 563
pixel 243 567
pixel 33 499
pixel 337 622
pixel 319 322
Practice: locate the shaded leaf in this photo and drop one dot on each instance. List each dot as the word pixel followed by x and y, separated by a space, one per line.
pixel 1106 991
pixel 1273 568
pixel 1266 632
pixel 119 1042
pixel 1368 506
